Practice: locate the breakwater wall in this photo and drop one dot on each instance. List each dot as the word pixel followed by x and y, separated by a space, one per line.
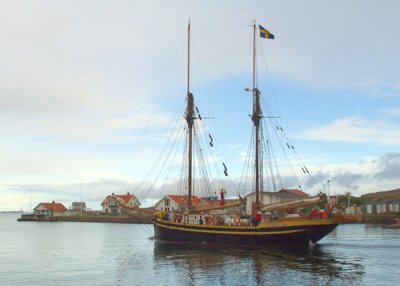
pixel 107 218
pixel 378 218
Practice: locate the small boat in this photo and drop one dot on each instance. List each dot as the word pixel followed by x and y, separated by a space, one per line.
pixel 396 223
pixel 291 230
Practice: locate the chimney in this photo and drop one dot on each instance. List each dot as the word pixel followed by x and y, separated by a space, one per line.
pixel 128 193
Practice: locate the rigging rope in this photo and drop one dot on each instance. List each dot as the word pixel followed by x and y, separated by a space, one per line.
pixel 267 75
pixel 159 156
pixel 245 177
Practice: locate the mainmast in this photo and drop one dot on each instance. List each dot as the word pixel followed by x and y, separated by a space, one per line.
pixel 256 121
pixel 189 120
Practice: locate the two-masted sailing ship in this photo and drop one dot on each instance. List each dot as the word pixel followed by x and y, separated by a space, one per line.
pixel 282 230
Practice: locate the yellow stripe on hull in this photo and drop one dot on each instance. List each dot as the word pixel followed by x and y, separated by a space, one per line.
pixel 298 222
pixel 203 230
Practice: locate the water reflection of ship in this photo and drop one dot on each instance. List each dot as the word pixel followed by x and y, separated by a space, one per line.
pixel 318 266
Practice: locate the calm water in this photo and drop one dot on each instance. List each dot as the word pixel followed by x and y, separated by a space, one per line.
pixel 64 253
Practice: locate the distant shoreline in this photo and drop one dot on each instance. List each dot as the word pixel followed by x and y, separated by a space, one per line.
pixel 134 218
pixel 107 218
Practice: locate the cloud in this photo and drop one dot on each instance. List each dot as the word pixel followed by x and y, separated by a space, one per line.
pixel 388 167
pixel 378 87
pixel 392 112
pixel 124 48
pixel 356 129
pixel 370 174
pixel 347 180
pixel 367 175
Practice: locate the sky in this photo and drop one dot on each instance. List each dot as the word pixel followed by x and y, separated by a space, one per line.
pixel 89 90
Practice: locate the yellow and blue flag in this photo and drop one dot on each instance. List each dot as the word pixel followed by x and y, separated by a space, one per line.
pixel 264 33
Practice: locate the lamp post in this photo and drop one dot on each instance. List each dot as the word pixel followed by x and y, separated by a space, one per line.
pixel 327 184
pixel 348 198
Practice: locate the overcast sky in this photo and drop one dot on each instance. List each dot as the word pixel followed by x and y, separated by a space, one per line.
pixel 88 87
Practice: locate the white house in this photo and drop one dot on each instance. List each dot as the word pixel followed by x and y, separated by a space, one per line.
pixel 176 203
pixel 115 204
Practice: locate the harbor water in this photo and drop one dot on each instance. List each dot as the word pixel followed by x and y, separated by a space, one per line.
pixel 74 253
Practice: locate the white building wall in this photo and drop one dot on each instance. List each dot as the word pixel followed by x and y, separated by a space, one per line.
pixel 161 206
pixel 59 213
pixel 265 198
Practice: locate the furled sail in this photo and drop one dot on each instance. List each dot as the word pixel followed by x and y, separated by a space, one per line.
pixel 296 203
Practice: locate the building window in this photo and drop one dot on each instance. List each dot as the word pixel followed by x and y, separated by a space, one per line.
pixel 166 202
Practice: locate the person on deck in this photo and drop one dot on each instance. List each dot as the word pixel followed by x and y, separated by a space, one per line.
pixel 314 213
pixel 171 216
pixel 159 214
pixel 256 219
pixel 165 215
pixel 178 217
pixel 222 194
pixel 209 219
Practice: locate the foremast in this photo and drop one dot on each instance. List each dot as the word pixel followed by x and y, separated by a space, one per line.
pixel 190 120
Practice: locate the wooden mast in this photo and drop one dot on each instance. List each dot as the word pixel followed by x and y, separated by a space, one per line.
pixel 189 120
pixel 256 121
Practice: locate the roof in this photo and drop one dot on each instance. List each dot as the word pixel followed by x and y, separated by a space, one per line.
pixel 126 198
pixel 182 200
pixel 296 192
pixel 56 207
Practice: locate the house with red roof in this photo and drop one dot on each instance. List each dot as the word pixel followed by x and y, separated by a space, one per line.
pixel 50 210
pixel 176 203
pixel 116 204
pixel 295 192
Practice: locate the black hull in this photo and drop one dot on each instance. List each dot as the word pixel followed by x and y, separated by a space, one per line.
pixel 288 235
